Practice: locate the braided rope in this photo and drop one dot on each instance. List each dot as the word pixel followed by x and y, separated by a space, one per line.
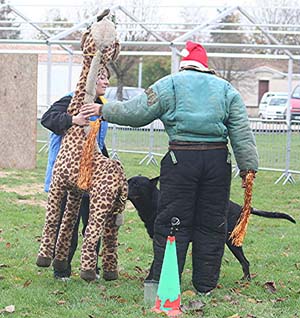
pixel 86 163
pixel 239 231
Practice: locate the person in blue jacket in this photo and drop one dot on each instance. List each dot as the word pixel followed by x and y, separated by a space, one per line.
pixel 59 121
pixel 201 113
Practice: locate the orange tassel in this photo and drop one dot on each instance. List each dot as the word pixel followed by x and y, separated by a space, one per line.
pixel 239 232
pixel 86 163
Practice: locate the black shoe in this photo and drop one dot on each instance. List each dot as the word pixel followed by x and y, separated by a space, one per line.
pixel 97 270
pixel 205 294
pixel 89 275
pixel 63 275
pixel 108 276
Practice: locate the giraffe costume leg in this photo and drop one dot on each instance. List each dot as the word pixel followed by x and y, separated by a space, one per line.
pixel 107 199
pixel 62 248
pixel 109 252
pixel 46 250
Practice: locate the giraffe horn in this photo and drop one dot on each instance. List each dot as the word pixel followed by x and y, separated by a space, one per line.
pixel 103 14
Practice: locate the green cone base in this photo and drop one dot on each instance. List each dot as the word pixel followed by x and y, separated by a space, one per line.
pixel 168 293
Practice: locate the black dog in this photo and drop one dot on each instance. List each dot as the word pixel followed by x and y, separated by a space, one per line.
pixel 144 195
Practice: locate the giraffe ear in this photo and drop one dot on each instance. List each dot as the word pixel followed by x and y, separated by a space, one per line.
pixel 103 14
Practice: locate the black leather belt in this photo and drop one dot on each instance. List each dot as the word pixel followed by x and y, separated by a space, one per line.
pixel 184 145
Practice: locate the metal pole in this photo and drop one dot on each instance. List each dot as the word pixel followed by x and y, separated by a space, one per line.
pixel 175 60
pixel 48 93
pixel 265 32
pixel 141 24
pixel 287 176
pixel 207 25
pixel 77 27
pixel 140 78
pixel 49 75
pixel 114 154
pixel 70 72
pixel 150 155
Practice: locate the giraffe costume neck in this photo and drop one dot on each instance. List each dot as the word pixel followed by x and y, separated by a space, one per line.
pixel 96 55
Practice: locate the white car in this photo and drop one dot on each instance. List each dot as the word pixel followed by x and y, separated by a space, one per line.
pixel 266 99
pixel 276 108
pixel 128 93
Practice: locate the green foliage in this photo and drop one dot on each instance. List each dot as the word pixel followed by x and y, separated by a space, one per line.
pixel 272 247
pixel 155 68
pixel 126 70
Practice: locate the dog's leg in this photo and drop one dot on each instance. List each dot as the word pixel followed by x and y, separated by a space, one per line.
pixel 239 254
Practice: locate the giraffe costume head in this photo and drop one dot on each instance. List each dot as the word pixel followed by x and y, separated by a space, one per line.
pixel 108 187
pixel 99 45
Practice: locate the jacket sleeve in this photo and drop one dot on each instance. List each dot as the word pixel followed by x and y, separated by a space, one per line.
pixel 56 117
pixel 137 112
pixel 240 134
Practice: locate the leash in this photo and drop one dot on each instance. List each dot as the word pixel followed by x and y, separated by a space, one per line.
pixel 238 234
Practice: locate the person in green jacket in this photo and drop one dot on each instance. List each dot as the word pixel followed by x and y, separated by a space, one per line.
pixel 201 113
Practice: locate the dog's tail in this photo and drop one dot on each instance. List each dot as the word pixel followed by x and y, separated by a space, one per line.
pixel 273 215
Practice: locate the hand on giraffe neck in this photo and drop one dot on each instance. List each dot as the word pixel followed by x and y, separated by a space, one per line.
pixel 78 99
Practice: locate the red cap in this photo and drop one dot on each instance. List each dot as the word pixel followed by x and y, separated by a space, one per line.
pixel 194 54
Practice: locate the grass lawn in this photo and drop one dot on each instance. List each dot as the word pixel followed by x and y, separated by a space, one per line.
pixel 272 247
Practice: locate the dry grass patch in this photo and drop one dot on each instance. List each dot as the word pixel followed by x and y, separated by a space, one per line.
pixel 4 174
pixel 24 189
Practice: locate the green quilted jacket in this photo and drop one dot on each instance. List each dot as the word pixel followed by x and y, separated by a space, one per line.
pixel 193 106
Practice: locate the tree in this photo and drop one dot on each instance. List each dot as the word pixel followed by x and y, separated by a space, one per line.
pixel 54 24
pixel 155 68
pixel 192 16
pixel 126 65
pixel 6 15
pixel 276 16
pixel 125 69
pixel 230 69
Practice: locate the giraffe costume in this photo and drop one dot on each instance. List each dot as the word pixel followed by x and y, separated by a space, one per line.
pixel 107 186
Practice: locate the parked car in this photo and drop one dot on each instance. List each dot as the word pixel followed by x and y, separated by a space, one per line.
pixel 265 100
pixel 128 92
pixel 276 108
pixel 295 103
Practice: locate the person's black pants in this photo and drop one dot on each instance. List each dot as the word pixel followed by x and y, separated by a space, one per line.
pixel 195 187
pixel 84 215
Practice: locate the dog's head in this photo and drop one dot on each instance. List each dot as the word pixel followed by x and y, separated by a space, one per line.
pixel 141 188
pixel 144 195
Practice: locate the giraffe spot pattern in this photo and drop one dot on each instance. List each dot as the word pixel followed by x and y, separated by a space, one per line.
pixel 108 191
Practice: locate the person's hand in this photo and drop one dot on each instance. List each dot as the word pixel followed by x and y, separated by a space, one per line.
pixel 80 120
pixel 244 182
pixel 243 175
pixel 89 110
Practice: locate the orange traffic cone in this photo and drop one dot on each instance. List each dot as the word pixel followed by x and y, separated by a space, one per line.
pixel 168 297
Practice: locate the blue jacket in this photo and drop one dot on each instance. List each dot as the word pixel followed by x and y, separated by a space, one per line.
pixel 55 139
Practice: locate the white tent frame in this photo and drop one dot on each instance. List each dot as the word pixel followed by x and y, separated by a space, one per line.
pixel 174 52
